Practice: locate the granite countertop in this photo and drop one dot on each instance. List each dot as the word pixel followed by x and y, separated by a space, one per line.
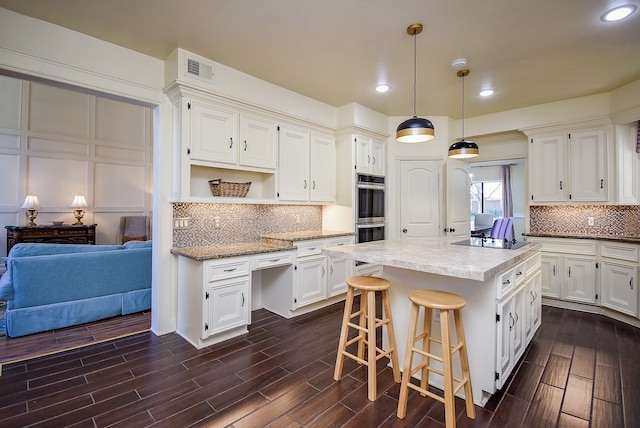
pixel 304 235
pixel 436 255
pixel 231 250
pixel 629 239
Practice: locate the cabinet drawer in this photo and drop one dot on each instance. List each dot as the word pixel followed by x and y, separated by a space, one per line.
pixel 505 282
pixel 273 260
pixel 620 251
pixel 533 263
pixel 232 269
pixel 310 248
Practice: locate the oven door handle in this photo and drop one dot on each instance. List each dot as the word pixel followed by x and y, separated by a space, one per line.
pixel 371 186
pixel 369 225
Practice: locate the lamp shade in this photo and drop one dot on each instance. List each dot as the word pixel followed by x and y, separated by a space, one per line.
pixel 78 202
pixel 415 130
pixel 31 202
pixel 463 149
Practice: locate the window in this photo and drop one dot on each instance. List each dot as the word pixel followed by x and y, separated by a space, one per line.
pixel 486 197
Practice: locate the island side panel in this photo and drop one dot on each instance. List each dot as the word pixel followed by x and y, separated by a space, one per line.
pixel 478 315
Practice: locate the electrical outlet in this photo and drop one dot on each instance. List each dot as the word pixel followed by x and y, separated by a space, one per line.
pixel 436 315
pixel 590 221
pixel 216 222
pixel 181 222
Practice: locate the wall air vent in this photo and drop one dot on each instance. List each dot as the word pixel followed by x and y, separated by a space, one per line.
pixel 200 70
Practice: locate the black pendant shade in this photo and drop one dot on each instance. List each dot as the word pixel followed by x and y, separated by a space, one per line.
pixel 415 130
pixel 463 149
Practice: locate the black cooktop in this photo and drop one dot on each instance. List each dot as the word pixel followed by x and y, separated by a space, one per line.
pixel 503 244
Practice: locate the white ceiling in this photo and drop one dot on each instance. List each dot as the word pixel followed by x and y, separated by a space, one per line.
pixel 529 51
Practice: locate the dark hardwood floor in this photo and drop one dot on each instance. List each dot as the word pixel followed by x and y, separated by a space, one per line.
pixel 580 370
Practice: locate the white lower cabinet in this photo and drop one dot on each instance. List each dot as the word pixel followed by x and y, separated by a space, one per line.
pixel 518 314
pixel 310 280
pixel 213 299
pixel 619 277
pixel 568 269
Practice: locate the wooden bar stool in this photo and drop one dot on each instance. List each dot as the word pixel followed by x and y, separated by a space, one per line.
pixel 367 325
pixel 445 302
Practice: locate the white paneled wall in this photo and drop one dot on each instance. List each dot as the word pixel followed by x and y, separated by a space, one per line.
pixel 55 143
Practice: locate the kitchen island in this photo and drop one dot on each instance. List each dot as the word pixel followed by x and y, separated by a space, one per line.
pixel 501 286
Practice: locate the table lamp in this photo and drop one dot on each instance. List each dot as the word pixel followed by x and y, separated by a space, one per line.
pixel 32 205
pixel 79 202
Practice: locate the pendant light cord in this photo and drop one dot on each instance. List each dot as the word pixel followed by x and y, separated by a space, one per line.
pixel 415 72
pixel 463 108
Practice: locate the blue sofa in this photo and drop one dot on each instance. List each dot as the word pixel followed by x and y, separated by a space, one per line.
pixel 51 286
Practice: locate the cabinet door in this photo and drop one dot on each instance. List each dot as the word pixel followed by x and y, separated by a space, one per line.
pixel 504 350
pixel 550 283
pixel 519 329
pixel 228 306
pixel 339 269
pixel 213 134
pixel 589 159
pixel 322 168
pixel 548 181
pixel 533 306
pixel 363 154
pixel 311 280
pixel 580 279
pixel 619 287
pixel 293 181
pixel 258 142
pixel 377 157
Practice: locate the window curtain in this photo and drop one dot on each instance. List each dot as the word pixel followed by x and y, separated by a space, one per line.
pixel 507 200
pixel 638 138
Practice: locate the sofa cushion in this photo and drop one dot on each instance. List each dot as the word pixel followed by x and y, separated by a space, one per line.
pixel 32 249
pixel 137 244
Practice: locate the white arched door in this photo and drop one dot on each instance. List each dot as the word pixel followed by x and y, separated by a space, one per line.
pixel 419 198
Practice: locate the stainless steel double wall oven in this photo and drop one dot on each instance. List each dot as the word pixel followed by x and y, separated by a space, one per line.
pixel 370 208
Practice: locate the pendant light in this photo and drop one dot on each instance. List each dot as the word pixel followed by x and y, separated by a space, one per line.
pixel 463 148
pixel 416 129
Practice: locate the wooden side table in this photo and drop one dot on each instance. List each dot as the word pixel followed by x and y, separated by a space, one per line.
pixel 51 234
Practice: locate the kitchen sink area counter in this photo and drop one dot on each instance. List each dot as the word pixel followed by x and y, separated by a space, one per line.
pixel 501 287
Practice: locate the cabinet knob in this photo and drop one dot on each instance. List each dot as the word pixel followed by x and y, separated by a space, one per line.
pixel 404 230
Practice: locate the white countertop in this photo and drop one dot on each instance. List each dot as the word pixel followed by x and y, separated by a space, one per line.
pixel 436 255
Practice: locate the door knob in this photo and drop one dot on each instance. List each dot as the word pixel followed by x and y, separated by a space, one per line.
pixel 452 230
pixel 404 230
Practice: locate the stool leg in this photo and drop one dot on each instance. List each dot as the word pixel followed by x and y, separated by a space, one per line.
pixel 363 323
pixel 449 403
pixel 464 363
pixel 371 344
pixel 344 333
pixel 392 336
pixel 426 347
pixel 406 371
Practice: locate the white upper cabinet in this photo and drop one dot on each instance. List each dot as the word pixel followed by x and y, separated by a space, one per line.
pixel 293 181
pixel 258 142
pixel 370 156
pixel 213 133
pixel 306 170
pixel 322 168
pixel 628 165
pixel 570 165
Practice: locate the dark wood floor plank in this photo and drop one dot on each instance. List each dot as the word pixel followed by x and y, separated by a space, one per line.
pixel 568 421
pixel 545 407
pixel 510 413
pixel 578 397
pixel 607 384
pixel 583 363
pixel 336 416
pixel 606 414
pixel 556 371
pixel 525 384
pixel 631 400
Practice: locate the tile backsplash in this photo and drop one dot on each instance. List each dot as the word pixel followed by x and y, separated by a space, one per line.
pixel 240 222
pixel 608 220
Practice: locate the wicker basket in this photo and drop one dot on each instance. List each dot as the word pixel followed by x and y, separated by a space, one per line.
pixel 229 189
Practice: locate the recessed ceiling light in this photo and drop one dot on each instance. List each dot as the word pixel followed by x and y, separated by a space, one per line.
pixel 618 13
pixel 382 88
pixel 486 93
